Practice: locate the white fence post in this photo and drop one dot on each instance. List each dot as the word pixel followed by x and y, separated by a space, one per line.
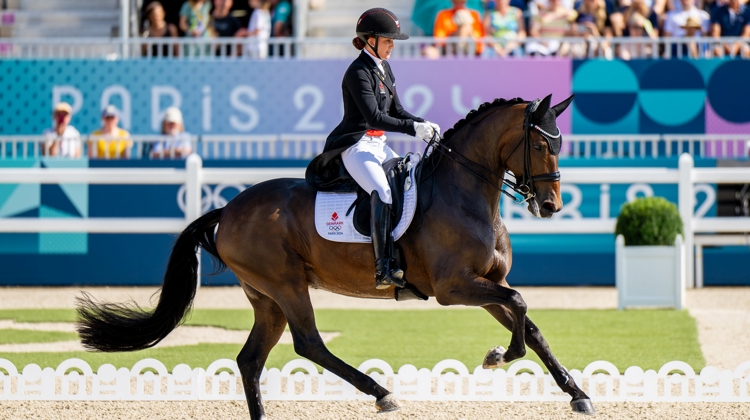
pixel 686 196
pixel 193 190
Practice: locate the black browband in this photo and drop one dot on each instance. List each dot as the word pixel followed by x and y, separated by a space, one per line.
pixel 524 185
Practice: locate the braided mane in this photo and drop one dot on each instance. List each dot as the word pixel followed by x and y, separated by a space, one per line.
pixel 499 102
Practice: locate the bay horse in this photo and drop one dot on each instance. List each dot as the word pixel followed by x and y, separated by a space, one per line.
pixel 460 254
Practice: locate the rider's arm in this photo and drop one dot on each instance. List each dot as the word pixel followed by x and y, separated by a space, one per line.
pixel 359 83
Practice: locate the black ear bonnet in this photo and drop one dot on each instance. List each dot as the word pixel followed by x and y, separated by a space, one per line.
pixel 542 118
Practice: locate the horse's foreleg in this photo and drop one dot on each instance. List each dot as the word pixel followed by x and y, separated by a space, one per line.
pixel 308 343
pixel 268 327
pixel 580 401
pixel 481 292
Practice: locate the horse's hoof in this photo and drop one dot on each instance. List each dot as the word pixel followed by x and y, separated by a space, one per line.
pixel 494 358
pixel 387 403
pixel 583 406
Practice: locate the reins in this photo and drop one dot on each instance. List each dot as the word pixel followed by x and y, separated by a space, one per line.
pixel 524 185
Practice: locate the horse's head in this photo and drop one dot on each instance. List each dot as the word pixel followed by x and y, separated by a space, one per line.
pixel 533 161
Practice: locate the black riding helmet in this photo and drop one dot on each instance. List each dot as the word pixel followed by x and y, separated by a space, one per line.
pixel 380 23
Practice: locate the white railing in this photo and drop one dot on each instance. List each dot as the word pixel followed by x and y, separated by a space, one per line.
pixel 327 48
pixel 307 145
pixel 195 176
pixel 299 380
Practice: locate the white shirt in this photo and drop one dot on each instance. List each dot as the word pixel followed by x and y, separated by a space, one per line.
pixel 70 141
pixel 378 62
pixel 257 45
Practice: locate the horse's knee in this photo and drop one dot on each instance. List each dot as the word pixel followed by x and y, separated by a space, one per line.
pixel 517 304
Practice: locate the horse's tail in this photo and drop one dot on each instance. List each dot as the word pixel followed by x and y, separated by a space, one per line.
pixel 113 327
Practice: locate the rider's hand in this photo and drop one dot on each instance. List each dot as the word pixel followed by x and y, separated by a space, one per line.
pixel 434 127
pixel 424 130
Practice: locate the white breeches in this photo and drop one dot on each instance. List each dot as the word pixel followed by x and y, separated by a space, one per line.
pixel 364 162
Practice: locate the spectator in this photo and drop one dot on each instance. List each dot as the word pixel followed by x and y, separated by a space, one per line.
pixel 693 28
pixel 110 141
pixel 550 23
pixel 225 25
pixel 638 27
pixel 732 19
pixel 259 29
pixel 171 12
pixel 63 140
pixel 593 23
pixel 674 22
pixel 641 8
pixel 157 27
pixel 505 23
pixel 195 21
pixel 460 22
pixel 175 142
pixel 281 17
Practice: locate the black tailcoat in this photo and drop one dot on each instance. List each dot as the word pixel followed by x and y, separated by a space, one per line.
pixel 370 103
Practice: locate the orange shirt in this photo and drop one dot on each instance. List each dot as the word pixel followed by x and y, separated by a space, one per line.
pixel 445 26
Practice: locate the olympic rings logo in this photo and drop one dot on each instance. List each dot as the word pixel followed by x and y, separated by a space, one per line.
pixel 335 228
pixel 210 198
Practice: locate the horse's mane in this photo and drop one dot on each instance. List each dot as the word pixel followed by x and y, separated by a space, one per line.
pixel 474 113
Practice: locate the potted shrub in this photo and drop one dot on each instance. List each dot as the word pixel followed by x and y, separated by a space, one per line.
pixel 649 269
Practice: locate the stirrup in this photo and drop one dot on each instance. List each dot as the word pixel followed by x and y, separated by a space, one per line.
pixel 385 277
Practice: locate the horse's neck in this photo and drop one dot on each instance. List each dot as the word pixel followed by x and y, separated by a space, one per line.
pixel 462 184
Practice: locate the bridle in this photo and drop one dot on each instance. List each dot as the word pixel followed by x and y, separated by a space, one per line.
pixel 525 184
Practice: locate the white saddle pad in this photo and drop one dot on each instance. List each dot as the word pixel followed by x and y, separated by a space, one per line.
pixel 333 224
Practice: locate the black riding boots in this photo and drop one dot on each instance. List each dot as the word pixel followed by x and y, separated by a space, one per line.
pixel 387 273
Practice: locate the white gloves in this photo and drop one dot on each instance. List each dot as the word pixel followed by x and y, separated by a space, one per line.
pixel 434 127
pixel 424 130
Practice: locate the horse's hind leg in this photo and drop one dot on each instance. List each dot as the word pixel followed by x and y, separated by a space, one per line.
pixel 268 327
pixel 308 343
pixel 580 402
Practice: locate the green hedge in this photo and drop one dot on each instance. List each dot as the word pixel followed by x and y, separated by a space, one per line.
pixel 649 221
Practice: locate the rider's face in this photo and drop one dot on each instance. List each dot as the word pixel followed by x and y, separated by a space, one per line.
pixel 385 46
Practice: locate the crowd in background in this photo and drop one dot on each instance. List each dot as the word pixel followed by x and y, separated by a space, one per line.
pixel 252 22
pixel 593 21
pixel 110 141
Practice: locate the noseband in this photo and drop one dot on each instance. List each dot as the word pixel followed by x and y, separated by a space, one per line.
pixel 524 184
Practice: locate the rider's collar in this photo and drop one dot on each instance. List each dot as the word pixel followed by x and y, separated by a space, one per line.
pixel 378 62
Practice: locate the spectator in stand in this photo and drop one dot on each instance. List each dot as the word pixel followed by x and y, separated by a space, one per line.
pixel 505 23
pixel 637 7
pixel 175 142
pixel 63 140
pixel 732 19
pixel 259 29
pixel 171 11
pixel 195 22
pixel 638 27
pixel 693 28
pixel 593 23
pixel 110 141
pixel 551 22
pixel 157 27
pixel 281 18
pixel 675 20
pixel 226 25
pixel 461 22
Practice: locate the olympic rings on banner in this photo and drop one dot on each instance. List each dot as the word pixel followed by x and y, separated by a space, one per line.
pixel 210 198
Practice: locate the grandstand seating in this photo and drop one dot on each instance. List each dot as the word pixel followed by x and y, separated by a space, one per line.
pixel 64 18
pixel 334 18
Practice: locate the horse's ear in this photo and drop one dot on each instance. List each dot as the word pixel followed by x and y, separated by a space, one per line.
pixel 560 108
pixel 543 107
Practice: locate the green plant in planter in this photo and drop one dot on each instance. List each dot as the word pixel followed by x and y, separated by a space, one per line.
pixel 649 221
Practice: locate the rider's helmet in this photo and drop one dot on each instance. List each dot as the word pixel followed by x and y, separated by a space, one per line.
pixel 377 22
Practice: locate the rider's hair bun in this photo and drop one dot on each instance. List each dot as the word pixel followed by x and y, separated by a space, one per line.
pixel 358 43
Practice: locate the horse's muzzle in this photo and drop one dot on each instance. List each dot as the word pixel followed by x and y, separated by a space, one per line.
pixel 549 207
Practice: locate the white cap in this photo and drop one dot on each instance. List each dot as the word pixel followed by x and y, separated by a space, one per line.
pixel 110 111
pixel 173 114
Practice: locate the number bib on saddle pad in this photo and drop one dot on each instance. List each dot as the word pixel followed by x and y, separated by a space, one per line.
pixel 333 223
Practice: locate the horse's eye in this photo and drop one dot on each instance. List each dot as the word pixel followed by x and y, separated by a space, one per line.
pixel 538 147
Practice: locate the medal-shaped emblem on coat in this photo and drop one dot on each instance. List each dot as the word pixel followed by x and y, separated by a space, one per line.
pixel 382 88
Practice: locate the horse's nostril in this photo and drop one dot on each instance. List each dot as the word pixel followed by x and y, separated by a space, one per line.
pixel 549 206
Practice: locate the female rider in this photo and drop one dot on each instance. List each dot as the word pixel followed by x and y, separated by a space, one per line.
pixel 371 107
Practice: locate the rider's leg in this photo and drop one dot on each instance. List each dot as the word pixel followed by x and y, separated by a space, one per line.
pixel 363 161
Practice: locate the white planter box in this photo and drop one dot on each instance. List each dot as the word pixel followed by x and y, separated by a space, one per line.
pixel 650 276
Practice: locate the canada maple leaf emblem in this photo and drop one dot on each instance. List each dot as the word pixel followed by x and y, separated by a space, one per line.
pixel 335 216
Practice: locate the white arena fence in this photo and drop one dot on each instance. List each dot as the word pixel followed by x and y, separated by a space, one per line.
pixel 328 48
pixel 308 145
pixel 299 380
pixel 698 229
